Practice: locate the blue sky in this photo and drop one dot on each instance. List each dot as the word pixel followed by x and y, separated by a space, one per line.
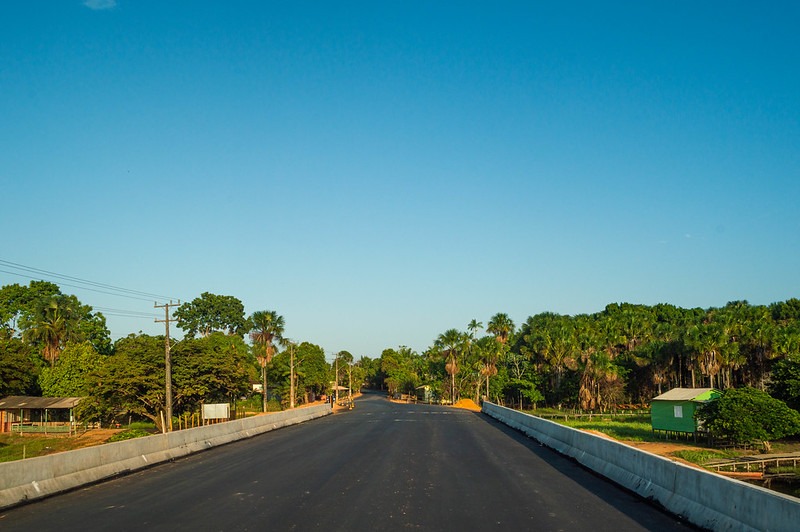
pixel 379 172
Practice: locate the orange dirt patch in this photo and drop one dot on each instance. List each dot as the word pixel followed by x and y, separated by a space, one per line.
pixel 94 437
pixel 467 404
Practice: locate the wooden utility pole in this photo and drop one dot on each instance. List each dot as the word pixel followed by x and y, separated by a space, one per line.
pixel 291 376
pixel 167 364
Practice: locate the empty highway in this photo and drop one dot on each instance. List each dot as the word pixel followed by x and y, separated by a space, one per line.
pixel 382 466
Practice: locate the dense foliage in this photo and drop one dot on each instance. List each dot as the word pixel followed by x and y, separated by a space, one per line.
pixel 624 354
pixel 209 313
pixel 53 344
pixel 744 415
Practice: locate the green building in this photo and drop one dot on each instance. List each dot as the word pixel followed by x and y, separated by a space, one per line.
pixel 673 412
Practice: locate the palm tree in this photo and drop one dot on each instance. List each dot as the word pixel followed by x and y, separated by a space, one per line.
pixel 501 327
pixel 491 351
pixel 474 326
pixel 53 323
pixel 266 328
pixel 707 342
pixel 451 343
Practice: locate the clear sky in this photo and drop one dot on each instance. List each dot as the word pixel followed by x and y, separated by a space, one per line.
pixel 379 172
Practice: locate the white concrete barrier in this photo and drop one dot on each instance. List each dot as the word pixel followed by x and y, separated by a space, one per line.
pixel 33 478
pixel 703 498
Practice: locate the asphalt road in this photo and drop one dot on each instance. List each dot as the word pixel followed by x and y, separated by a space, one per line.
pixel 382 466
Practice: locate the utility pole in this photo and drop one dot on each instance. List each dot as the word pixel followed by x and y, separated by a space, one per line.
pixel 167 363
pixel 291 375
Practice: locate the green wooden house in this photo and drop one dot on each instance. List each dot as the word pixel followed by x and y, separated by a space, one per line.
pixel 673 411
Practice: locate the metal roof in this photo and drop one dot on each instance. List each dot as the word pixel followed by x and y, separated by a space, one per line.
pixel 13 402
pixel 682 394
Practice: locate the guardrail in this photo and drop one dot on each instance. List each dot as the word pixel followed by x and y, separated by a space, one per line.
pixel 34 478
pixel 703 498
pixel 756 464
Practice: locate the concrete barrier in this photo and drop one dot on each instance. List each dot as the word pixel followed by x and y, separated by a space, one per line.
pixel 34 478
pixel 703 498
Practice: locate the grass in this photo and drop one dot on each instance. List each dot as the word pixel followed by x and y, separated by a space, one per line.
pixel 142 425
pixel 628 428
pixel 15 447
pixel 129 435
pixel 705 456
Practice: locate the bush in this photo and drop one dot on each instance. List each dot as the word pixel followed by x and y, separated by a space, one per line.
pixel 745 415
pixel 701 457
pixel 128 435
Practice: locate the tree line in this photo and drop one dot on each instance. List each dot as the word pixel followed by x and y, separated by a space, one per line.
pixel 624 354
pixel 53 345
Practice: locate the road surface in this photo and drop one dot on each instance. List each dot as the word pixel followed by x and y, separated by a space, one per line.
pixel 381 466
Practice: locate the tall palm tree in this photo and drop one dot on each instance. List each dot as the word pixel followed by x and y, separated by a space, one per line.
pixel 491 351
pixel 451 343
pixel 707 342
pixel 501 327
pixel 473 327
pixel 266 328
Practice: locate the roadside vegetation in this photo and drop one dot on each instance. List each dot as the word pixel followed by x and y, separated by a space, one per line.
pixel 635 429
pixel 615 360
pixel 16 447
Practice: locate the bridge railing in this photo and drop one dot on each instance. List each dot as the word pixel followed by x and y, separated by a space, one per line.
pixel 704 498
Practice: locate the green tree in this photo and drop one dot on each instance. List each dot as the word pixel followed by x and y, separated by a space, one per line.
pixel 130 382
pixel 306 363
pixel 785 383
pixel 373 376
pixel 490 350
pixel 473 327
pixel 266 328
pixel 501 327
pixel 69 376
pixel 399 369
pixel 786 312
pixel 209 313
pixel 552 340
pixel 51 325
pixel 451 344
pixel 744 415
pixel 210 370
pixel 316 374
pixel 520 379
pixel 707 340
pixel 18 302
pixel 19 368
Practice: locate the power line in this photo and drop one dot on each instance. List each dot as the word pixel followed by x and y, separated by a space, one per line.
pixel 108 289
pixel 108 311
pixel 116 290
pixel 60 284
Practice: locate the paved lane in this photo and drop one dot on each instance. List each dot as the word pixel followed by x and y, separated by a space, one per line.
pixel 381 466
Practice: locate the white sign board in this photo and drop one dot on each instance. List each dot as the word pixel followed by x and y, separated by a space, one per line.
pixel 217 411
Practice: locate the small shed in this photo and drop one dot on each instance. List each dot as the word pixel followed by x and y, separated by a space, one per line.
pixel 37 414
pixel 425 394
pixel 673 411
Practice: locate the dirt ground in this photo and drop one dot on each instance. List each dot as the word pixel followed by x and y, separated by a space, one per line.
pixel 94 437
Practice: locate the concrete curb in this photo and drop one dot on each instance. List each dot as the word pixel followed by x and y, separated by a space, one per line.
pixel 707 500
pixel 34 478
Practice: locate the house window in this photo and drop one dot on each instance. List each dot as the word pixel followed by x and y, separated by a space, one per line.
pixel 678 410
